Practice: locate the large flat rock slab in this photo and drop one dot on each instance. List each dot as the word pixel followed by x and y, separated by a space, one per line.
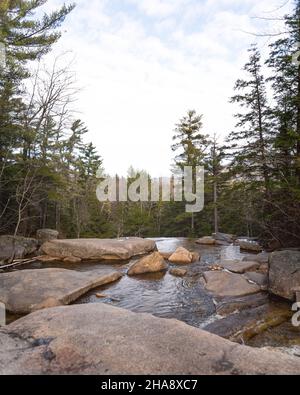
pixel 100 339
pixel 99 249
pixel 25 291
pixel 224 284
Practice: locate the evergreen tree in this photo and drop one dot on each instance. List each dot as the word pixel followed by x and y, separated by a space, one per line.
pixel 284 217
pixel 189 141
pixel 251 148
pixel 191 144
pixel 90 161
pixel 252 138
pixel 27 38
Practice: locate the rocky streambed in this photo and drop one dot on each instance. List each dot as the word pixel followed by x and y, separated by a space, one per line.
pixel 220 289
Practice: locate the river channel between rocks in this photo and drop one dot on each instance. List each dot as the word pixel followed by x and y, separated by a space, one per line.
pixel 185 299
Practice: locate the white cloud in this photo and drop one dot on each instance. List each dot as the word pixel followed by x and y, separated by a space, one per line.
pixel 142 66
pixel 160 8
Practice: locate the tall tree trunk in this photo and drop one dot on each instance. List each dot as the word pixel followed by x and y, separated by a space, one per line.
pixel 18 221
pixel 193 223
pixel 216 219
pixel 57 216
pixel 262 140
pixel 45 214
pixel 298 128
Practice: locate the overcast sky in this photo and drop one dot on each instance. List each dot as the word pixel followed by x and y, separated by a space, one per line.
pixel 142 64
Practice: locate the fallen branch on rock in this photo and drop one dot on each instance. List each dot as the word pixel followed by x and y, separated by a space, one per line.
pixel 18 262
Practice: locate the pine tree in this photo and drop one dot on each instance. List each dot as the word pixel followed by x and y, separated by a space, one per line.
pixel 286 87
pixel 252 138
pixel 26 38
pixel 191 144
pixel 283 220
pixel 189 140
pixel 89 161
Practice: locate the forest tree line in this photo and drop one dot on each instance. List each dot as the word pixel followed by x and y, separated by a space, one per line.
pixel 48 173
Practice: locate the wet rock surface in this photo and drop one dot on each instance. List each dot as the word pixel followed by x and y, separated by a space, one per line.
pixel 244 325
pixel 284 336
pixel 228 306
pixel 97 339
pixel 178 272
